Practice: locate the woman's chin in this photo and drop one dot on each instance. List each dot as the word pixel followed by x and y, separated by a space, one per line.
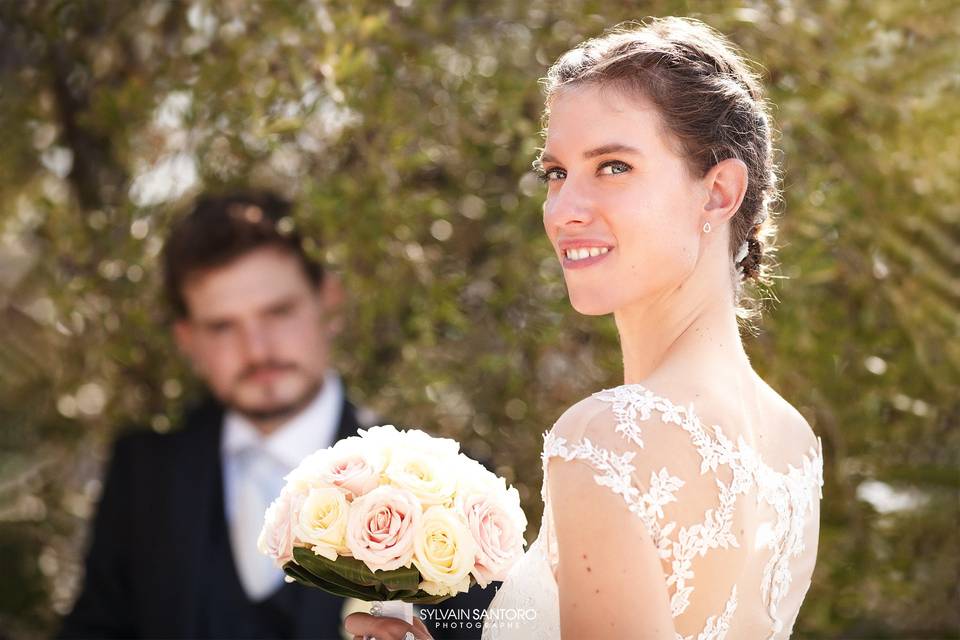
pixel 590 306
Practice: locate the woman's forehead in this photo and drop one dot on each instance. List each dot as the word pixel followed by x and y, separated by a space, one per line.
pixel 590 116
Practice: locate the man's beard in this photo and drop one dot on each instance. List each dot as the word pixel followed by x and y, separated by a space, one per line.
pixel 280 411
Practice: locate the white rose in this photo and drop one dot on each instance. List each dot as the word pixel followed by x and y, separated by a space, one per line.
pixel 444 552
pixel 381 439
pixel 432 445
pixel 387 440
pixel 473 477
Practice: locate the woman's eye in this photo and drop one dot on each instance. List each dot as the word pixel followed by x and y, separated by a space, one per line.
pixel 613 168
pixel 549 175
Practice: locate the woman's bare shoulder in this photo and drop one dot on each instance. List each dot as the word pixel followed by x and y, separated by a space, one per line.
pixel 750 407
pixel 790 425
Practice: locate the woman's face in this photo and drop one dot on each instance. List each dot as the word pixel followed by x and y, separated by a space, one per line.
pixel 622 211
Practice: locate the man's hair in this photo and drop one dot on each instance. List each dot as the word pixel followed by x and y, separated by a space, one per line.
pixel 222 228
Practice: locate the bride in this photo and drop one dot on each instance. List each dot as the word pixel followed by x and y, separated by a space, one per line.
pixel 683 504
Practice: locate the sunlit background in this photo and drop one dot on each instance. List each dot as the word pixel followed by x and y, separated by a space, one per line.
pixel 405 131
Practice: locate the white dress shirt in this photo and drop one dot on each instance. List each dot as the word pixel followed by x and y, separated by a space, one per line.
pixel 277 455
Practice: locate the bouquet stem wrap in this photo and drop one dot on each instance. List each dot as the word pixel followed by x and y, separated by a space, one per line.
pixel 393 609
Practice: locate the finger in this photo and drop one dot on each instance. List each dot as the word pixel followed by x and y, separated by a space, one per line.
pixel 420 630
pixel 359 624
pixel 364 624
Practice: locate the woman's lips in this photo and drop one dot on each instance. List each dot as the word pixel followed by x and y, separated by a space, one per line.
pixel 583 263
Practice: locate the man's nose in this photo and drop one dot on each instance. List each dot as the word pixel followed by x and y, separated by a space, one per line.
pixel 256 342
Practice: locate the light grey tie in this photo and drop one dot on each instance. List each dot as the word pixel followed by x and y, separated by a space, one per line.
pixel 259 479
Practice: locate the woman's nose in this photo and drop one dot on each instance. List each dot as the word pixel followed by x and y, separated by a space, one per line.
pixel 570 204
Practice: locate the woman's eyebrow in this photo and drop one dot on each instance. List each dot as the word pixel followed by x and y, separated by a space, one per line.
pixel 602 150
pixel 613 147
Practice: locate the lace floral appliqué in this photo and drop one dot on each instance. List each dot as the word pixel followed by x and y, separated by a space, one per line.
pixel 789 494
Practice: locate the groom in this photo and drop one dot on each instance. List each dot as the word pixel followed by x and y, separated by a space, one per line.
pixel 173 552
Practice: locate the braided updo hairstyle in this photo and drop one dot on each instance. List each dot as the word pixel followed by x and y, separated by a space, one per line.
pixel 710 102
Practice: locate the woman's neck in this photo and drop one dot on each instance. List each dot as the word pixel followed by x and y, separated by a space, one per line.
pixel 678 334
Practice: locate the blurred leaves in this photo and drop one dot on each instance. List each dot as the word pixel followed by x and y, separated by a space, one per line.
pixel 406 133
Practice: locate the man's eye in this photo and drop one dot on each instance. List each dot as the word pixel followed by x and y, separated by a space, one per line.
pixel 613 167
pixel 549 175
pixel 279 312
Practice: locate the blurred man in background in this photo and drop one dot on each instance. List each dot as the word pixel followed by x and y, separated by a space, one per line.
pixel 174 550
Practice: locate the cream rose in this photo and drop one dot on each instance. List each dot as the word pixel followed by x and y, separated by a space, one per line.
pixel 430 478
pixel 444 552
pixel 382 526
pixel 322 522
pixel 497 523
pixel 308 473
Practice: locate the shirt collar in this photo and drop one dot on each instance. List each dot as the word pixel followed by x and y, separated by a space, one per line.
pixel 313 428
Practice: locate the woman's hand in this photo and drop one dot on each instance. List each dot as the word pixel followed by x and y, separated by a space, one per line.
pixel 364 625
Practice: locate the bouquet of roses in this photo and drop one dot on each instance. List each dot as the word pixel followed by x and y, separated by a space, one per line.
pixel 394 515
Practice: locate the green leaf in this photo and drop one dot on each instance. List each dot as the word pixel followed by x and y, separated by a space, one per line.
pixel 351 569
pixel 319 575
pixel 349 577
pixel 357 573
pixel 298 573
pixel 402 579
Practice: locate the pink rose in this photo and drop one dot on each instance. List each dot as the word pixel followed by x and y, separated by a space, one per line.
pixel 382 527
pixel 276 538
pixel 497 527
pixel 352 472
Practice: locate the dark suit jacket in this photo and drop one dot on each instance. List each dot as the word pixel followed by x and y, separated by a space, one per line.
pixel 160 564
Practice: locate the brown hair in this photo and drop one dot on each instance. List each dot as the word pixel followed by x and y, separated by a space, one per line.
pixel 220 229
pixel 709 101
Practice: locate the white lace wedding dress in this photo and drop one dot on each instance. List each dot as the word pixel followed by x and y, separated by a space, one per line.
pixel 737 538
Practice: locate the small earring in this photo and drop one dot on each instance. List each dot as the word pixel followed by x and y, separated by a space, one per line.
pixel 706 227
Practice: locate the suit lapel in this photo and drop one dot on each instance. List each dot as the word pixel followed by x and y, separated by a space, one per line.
pixel 348 421
pixel 198 508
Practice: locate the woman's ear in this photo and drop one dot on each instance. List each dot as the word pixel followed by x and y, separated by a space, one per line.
pixel 726 184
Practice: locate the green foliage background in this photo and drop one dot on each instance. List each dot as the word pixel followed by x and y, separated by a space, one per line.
pixel 406 131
